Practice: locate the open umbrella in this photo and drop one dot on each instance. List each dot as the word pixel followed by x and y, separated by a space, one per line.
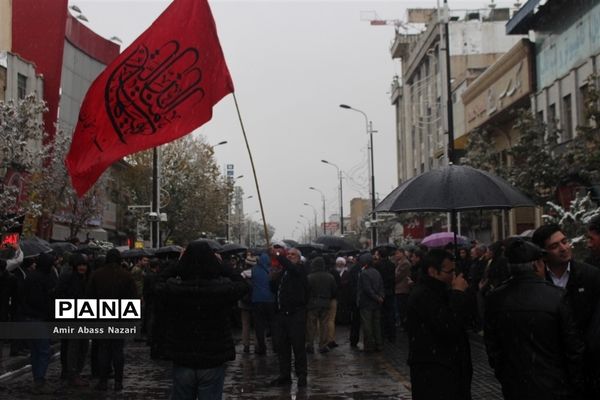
pixel 451 189
pixel 214 245
pixel 335 243
pixel 61 247
pixel 34 246
pixel 137 253
pixel 233 248
pixel 440 239
pixel 168 249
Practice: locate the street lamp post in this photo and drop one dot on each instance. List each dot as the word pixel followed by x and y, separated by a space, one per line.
pixel 369 125
pixel 315 214
pixel 341 195
pixel 323 201
pixel 308 222
pixel 228 224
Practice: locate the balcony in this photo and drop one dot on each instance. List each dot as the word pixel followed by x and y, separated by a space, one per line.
pixel 400 47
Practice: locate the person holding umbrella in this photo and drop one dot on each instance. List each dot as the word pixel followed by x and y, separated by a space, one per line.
pixel 439 355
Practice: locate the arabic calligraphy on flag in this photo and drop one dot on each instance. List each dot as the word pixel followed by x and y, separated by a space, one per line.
pixel 160 88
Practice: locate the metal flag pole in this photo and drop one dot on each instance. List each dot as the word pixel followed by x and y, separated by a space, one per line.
pixel 262 210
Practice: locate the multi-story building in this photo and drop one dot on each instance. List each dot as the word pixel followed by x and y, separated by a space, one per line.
pixel 477 39
pixel 567 53
pixel 69 56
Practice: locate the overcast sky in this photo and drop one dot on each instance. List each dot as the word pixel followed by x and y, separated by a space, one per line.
pixel 292 64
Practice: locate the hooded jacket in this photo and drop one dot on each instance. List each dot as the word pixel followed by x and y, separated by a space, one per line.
pixel 261 291
pixel 321 285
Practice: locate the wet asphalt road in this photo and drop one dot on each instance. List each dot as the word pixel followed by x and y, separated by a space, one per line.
pixel 343 373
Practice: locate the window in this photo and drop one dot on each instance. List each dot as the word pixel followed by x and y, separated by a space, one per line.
pixel 552 118
pixel 21 86
pixel 567 118
pixel 584 97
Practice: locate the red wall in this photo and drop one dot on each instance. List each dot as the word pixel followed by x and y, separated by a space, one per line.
pixel 38 35
pixel 39 30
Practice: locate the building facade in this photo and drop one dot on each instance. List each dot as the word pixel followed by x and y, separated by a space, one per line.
pixel 477 39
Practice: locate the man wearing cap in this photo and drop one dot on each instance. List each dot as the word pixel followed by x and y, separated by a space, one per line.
pixel 370 294
pixel 531 338
pixel 582 291
pixel 439 355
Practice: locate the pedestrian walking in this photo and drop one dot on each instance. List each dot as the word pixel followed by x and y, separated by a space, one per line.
pixel 387 270
pixel 403 284
pixel 531 338
pixel 439 355
pixel 198 301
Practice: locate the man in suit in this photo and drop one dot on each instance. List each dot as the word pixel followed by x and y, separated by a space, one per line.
pixel 582 286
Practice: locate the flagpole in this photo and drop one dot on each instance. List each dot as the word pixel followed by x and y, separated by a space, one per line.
pixel 155 219
pixel 262 210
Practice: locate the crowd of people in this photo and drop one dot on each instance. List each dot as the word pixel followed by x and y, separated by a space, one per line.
pixel 537 308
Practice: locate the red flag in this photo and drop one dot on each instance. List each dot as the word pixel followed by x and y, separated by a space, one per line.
pixel 160 88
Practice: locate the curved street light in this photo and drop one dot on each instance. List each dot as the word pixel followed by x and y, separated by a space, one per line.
pixel 341 195
pixel 323 201
pixel 369 125
pixel 315 214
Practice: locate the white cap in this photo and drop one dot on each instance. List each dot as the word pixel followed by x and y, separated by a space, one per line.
pixel 340 260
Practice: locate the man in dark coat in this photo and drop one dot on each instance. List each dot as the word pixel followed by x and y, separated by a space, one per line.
pixel 532 342
pixel 199 339
pixel 369 298
pixel 321 289
pixel 439 355
pixel 290 287
pixel 38 295
pixel 582 285
pixel 111 282
pixel 387 270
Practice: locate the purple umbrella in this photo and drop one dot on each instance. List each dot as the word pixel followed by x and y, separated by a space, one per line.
pixel 440 239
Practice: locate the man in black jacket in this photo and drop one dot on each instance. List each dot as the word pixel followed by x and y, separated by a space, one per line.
pixel 582 285
pixel 198 300
pixel 290 287
pixel 593 242
pixel 439 355
pixel 532 342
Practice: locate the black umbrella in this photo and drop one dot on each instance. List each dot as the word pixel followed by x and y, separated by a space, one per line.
pixel 61 247
pixel 451 189
pixel 335 243
pixel 168 250
pixel 137 253
pixel 308 249
pixel 290 242
pixel 34 246
pixel 233 248
pixel 214 245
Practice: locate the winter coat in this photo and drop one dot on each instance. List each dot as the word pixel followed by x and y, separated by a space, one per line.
pixel 532 341
pixel 321 289
pixel 290 287
pixel 38 295
pixel 436 324
pixel 261 290
pixel 387 270
pixel 198 320
pixel 582 292
pixel 111 282
pixel 8 296
pixel 402 277
pixel 370 288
